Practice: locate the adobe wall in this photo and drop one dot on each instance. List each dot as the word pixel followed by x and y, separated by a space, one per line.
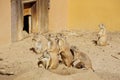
pixel 87 14
pixel 69 14
pixel 5 22
pixel 58 13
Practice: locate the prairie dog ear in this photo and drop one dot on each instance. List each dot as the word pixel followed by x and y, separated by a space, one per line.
pixel 34 36
pixel 60 35
pixel 50 36
pixel 75 48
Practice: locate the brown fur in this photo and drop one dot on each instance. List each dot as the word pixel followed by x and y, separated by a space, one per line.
pixel 81 60
pixel 53 51
pixel 64 50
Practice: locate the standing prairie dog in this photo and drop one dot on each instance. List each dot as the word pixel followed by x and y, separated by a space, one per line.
pixel 102 37
pixel 81 60
pixel 53 51
pixel 40 43
pixel 64 50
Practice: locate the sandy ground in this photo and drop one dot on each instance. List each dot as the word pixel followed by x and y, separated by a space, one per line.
pixel 18 58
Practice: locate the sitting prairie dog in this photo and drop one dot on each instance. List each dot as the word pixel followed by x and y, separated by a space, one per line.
pixel 81 60
pixel 102 37
pixel 53 51
pixel 44 60
pixel 40 43
pixel 64 50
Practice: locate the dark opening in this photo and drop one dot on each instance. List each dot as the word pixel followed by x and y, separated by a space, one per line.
pixel 26 16
pixel 26 23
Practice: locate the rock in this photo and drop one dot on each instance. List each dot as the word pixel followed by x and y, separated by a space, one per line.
pixel 4 72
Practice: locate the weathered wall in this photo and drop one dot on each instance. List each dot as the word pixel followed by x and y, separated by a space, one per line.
pixel 27 11
pixel 58 15
pixel 87 14
pixel 34 19
pixel 69 14
pixel 5 22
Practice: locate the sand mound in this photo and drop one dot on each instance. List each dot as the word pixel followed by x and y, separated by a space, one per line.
pixel 18 58
pixel 42 74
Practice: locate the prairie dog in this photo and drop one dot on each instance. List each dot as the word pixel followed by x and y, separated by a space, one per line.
pixel 53 51
pixel 40 43
pixel 64 50
pixel 102 37
pixel 81 60
pixel 44 60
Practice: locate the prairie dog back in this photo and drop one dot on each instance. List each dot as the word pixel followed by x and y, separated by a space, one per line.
pixel 64 50
pixel 81 60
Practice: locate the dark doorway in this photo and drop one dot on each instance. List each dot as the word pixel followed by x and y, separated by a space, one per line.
pixel 29 7
pixel 30 16
pixel 26 23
